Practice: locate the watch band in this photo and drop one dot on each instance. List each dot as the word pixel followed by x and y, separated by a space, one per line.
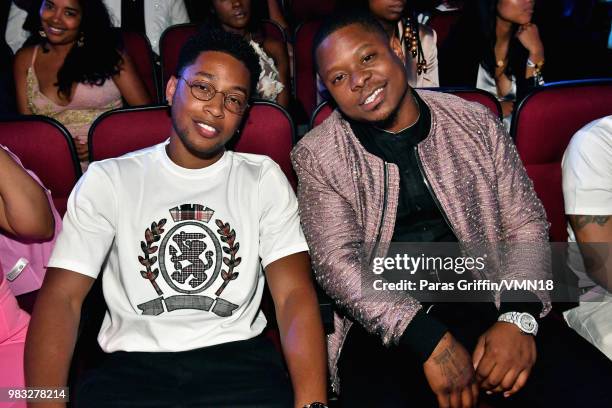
pixel 526 322
pixel 315 405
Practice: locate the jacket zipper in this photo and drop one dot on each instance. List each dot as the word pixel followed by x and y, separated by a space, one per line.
pixel 433 196
pixel 384 210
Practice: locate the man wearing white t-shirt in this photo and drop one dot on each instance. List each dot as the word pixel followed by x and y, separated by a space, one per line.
pixel 179 231
pixel 587 190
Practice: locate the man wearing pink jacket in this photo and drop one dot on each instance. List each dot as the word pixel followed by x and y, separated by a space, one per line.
pixel 393 165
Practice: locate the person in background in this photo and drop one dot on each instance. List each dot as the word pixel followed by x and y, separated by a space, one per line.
pixel 199 11
pixel 243 17
pixel 17 29
pixel 150 17
pixel 496 47
pixel 25 214
pixel 75 71
pixel 587 193
pixel 418 41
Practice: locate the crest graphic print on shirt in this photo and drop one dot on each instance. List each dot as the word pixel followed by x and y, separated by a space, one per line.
pixel 191 258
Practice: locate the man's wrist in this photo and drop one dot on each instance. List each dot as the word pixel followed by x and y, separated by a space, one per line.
pixel 523 320
pixel 423 335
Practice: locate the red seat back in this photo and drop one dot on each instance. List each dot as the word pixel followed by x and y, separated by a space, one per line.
pixel 138 48
pixel 273 30
pixel 305 77
pixel 474 95
pixel 443 23
pixel 542 126
pixel 170 44
pixel 44 146
pixel 121 131
pixel 268 130
pixel 321 113
pixel 306 10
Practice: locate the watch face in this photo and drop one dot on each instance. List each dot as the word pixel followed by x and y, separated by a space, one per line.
pixel 527 323
pixel 317 405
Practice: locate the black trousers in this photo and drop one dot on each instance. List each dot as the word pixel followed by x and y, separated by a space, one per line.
pixel 569 372
pixel 243 374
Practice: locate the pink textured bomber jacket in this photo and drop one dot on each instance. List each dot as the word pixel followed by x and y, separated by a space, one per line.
pixel 348 201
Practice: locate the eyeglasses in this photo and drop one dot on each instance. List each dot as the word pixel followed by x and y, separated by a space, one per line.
pixel 236 103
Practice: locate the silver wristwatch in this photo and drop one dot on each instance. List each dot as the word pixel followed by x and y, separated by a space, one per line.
pixel 315 405
pixel 526 322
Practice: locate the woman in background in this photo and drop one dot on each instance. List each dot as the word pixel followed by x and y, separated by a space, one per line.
pixel 399 18
pixel 242 17
pixel 497 48
pixel 75 69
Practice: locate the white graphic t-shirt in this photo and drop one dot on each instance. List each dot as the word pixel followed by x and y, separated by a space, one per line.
pixel 181 250
pixel 587 182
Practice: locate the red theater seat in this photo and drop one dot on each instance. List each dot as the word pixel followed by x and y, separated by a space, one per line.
pixel 443 23
pixel 306 10
pixel 542 126
pixel 138 48
pixel 269 130
pixel 321 113
pixel 44 146
pixel 476 95
pixel 121 131
pixel 273 30
pixel 305 79
pixel 170 43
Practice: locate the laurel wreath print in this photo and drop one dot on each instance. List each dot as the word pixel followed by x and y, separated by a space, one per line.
pixel 228 236
pixel 152 235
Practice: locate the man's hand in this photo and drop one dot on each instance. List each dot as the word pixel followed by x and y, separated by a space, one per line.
pixel 503 358
pixel 450 374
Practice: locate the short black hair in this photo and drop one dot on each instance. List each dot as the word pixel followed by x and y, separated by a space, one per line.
pixel 341 19
pixel 215 39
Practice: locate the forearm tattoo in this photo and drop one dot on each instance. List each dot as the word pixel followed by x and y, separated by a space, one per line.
pixel 581 221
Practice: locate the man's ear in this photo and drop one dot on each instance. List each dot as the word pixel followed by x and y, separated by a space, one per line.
pixel 396 46
pixel 171 89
